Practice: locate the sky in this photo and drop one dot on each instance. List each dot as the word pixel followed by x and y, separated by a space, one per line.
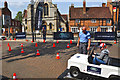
pixel 63 5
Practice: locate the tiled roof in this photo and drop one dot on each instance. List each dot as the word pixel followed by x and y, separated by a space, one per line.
pixel 91 12
pixel 65 16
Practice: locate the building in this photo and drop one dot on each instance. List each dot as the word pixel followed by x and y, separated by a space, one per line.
pixel 7 24
pixel 46 14
pixel 116 14
pixel 95 19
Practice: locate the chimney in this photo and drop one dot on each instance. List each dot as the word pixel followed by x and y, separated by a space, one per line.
pixel 84 7
pixel 72 5
pixel 103 4
pixel 5 4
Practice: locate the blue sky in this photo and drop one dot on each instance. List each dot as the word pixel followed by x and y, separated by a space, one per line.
pixel 63 5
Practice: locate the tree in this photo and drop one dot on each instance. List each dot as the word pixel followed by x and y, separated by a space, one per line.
pixel 19 16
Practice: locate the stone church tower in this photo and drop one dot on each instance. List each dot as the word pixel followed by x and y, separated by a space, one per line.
pixel 51 17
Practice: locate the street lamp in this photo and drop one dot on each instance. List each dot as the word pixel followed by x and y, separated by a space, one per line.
pixel 32 15
pixel 116 21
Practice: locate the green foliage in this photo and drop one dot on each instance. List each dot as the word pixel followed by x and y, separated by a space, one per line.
pixel 19 16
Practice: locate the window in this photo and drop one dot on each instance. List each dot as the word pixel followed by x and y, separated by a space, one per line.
pixel 93 29
pixel 77 21
pixel 25 21
pixel 46 10
pixel 108 21
pixel 50 25
pixel 74 29
pixel 93 21
pixel 13 23
pixel 16 23
pixel 103 29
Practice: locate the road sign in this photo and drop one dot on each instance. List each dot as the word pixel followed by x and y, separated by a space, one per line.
pixel 63 36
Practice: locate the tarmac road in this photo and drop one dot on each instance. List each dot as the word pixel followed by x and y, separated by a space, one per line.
pixel 27 65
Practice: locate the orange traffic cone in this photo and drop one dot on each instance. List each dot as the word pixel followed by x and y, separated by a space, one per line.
pixel 26 40
pixel 37 53
pixel 36 45
pixel 70 41
pixel 5 38
pixel 100 41
pixel 68 46
pixel 8 45
pixel 14 76
pixel 44 41
pixel 22 51
pixel 114 41
pixel 53 44
pixel 9 48
pixel 31 41
pixel 15 39
pixel 10 38
pixel 57 56
pixel 57 41
pixel 21 44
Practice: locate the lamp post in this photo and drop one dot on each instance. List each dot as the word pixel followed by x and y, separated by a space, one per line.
pixel 116 21
pixel 32 15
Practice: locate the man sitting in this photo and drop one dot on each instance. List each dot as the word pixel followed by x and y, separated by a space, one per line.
pixel 102 57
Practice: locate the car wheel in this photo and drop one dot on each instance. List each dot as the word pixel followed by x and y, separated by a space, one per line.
pixel 75 72
pixel 114 78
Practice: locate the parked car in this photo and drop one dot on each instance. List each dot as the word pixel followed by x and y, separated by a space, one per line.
pixel 118 34
pixel 81 64
pixel 2 37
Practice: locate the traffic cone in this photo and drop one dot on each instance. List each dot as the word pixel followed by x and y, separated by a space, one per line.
pixel 9 48
pixel 53 44
pixel 14 76
pixel 100 41
pixel 26 40
pixel 36 45
pixel 8 45
pixel 15 39
pixel 57 56
pixel 21 44
pixel 37 53
pixel 5 38
pixel 57 41
pixel 44 41
pixel 70 41
pixel 114 41
pixel 10 38
pixel 22 51
pixel 68 46
pixel 31 41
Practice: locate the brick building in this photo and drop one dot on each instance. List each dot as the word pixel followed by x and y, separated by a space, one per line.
pixel 95 19
pixel 6 22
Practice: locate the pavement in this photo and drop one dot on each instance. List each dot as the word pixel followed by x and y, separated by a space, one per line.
pixel 28 65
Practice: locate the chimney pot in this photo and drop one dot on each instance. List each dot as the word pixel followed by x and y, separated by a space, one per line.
pixel 103 4
pixel 5 4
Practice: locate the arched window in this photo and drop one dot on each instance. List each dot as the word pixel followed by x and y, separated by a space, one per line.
pixel 46 10
pixel 50 25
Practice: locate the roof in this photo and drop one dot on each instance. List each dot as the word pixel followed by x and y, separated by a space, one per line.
pixel 91 12
pixel 25 14
pixel 65 16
